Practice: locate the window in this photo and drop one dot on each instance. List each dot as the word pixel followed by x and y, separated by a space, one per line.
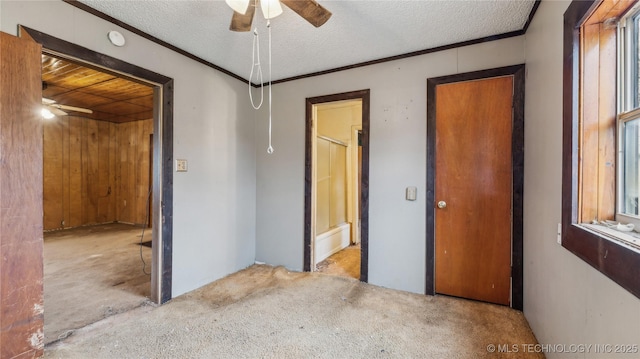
pixel 628 184
pixel 601 138
pixel 628 188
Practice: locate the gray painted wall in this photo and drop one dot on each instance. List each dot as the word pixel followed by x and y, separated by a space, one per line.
pixel 214 203
pixel 398 159
pixel 566 301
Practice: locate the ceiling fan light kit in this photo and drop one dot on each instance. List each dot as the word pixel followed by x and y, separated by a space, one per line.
pixel 239 6
pixel 46 113
pixel 270 8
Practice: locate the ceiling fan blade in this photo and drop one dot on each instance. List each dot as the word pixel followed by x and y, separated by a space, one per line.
pixel 310 10
pixel 71 108
pixel 57 108
pixel 56 111
pixel 241 22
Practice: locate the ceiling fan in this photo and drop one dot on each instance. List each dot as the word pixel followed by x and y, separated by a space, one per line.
pixel 51 108
pixel 244 10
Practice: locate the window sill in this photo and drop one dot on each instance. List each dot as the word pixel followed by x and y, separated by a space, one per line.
pixel 630 240
pixel 618 261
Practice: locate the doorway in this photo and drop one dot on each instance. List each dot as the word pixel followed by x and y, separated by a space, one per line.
pixel 162 191
pixel 475 124
pixel 96 195
pixel 336 184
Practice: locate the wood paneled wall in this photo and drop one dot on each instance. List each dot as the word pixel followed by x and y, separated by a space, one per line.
pixel 133 171
pixel 95 171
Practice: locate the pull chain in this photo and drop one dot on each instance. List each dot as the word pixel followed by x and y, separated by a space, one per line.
pixel 270 149
pixel 255 64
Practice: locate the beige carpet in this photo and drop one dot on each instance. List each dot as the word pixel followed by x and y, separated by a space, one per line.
pixel 91 273
pixel 266 312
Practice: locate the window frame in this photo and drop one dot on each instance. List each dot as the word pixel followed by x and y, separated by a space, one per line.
pixel 613 259
pixel 628 101
pixel 621 216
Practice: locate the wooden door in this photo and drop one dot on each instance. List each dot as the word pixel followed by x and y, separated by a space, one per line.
pixel 473 176
pixel 21 300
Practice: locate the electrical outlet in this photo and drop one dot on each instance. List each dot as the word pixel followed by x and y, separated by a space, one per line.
pixel 181 165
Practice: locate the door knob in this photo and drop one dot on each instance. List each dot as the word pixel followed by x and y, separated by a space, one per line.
pixel 442 204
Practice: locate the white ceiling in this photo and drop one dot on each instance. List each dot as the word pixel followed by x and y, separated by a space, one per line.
pixel 358 31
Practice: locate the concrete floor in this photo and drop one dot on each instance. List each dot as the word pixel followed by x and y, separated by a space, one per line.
pixel 345 263
pixel 91 273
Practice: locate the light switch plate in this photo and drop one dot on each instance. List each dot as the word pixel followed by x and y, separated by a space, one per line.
pixel 181 165
pixel 412 193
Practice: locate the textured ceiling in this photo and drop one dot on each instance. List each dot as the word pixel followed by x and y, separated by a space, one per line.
pixel 358 31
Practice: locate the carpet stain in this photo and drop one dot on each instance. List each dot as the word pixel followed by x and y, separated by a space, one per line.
pixel 270 312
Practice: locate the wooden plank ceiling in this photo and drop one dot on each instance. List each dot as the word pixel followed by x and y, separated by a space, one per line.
pixel 111 98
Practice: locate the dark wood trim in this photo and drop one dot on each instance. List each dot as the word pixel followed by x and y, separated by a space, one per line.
pixel 103 62
pixel 403 56
pixel 166 200
pixel 150 190
pixel 536 5
pixel 151 38
pixel 308 183
pixel 430 283
pixel 517 143
pixel 574 15
pixel 517 225
pixel 143 34
pixel 505 35
pixel 92 59
pixel 364 192
pixel 620 264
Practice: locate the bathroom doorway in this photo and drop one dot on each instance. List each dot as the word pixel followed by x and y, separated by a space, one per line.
pixel 336 189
